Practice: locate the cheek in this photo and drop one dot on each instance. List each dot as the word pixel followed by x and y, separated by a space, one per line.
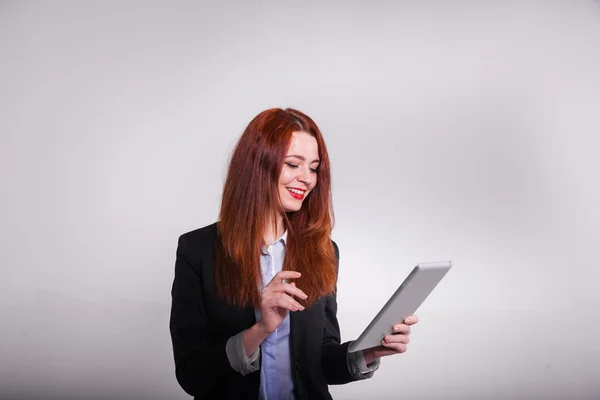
pixel 284 178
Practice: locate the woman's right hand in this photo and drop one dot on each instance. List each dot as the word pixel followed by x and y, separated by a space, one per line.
pixel 277 300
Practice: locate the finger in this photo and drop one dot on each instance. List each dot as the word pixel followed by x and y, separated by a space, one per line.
pixel 281 275
pixel 286 301
pixel 293 290
pixel 402 328
pixel 399 347
pixel 288 288
pixel 413 319
pixel 397 339
pixel 282 300
pixel 278 302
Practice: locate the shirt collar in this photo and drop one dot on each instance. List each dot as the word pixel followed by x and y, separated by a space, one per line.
pixel 282 238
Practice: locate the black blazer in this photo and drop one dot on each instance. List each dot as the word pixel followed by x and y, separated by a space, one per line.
pixel 202 322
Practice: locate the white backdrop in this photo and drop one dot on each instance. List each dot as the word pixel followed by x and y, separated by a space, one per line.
pixel 457 130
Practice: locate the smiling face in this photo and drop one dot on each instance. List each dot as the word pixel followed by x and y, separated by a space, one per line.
pixel 299 172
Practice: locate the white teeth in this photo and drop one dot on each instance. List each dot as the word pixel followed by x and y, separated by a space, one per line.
pixel 296 191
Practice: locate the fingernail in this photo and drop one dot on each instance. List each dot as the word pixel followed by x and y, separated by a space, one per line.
pixel 396 328
pixel 407 319
pixel 387 338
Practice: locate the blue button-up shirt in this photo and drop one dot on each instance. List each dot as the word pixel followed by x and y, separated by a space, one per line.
pixel 275 369
pixel 275 373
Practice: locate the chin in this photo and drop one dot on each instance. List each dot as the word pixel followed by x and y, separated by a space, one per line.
pixel 287 208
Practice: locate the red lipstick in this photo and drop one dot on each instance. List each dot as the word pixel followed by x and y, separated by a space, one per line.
pixel 296 195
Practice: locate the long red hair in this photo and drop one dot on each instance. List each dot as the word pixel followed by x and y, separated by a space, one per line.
pixel 250 196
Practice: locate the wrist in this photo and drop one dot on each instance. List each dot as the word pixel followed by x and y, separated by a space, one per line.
pixel 253 337
pixel 259 331
pixel 370 356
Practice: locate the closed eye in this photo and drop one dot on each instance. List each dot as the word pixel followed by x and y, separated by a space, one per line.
pixel 294 166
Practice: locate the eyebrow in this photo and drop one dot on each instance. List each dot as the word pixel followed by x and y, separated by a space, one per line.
pixel 302 158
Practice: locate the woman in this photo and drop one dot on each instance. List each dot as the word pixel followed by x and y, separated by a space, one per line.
pixel 254 296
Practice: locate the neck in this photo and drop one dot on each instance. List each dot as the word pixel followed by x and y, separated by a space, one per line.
pixel 273 232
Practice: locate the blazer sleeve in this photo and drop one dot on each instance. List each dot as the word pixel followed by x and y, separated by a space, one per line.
pixel 334 354
pixel 199 363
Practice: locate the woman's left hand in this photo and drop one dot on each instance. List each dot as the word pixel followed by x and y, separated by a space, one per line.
pixel 394 343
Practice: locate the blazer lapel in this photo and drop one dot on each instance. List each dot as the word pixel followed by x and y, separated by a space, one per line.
pixel 297 321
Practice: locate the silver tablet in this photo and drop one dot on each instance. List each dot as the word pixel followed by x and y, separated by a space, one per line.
pixel 403 303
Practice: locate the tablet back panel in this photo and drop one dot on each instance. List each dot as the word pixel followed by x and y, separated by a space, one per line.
pixel 403 303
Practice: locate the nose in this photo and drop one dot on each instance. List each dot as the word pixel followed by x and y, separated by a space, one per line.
pixel 304 177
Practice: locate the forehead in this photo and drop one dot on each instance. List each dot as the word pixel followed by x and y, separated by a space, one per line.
pixel 305 143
